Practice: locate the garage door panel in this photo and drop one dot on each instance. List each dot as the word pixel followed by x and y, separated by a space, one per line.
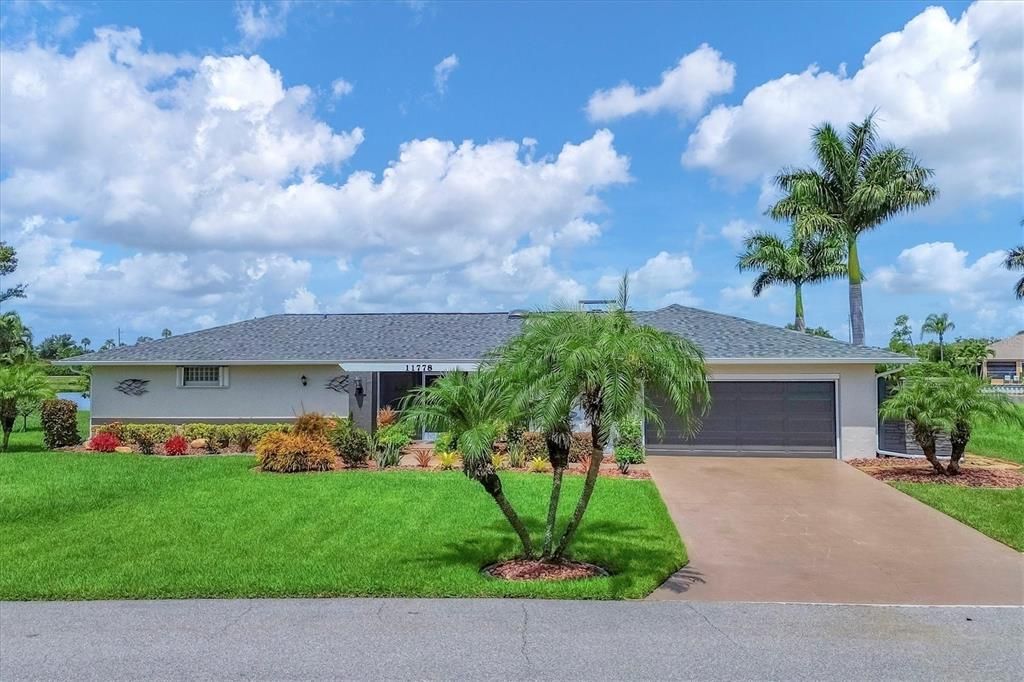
pixel 770 418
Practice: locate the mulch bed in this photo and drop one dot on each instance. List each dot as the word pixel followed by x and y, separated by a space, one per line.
pixel 531 569
pixel 975 472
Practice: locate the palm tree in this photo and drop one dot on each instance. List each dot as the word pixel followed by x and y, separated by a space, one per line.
pixel 1015 261
pixel 15 339
pixel 969 402
pixel 795 261
pixel 20 383
pixel 469 405
pixel 938 325
pixel 856 186
pixel 602 362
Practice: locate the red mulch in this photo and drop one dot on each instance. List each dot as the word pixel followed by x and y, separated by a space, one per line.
pixel 531 569
pixel 975 472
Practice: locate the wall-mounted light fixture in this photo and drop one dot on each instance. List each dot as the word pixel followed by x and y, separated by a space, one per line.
pixel 359 387
pixel 304 380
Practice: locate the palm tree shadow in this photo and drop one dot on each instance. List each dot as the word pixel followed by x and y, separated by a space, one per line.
pixel 682 580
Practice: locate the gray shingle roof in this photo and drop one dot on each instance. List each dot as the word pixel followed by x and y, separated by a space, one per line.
pixel 455 336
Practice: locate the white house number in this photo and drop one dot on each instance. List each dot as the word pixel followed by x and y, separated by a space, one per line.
pixel 419 368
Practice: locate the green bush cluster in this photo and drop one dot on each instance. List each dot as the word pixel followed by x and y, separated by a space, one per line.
pixel 629 434
pixel 626 455
pixel 580 446
pixel 533 445
pixel 60 423
pixel 291 452
pixel 350 443
pixel 445 443
pixel 217 436
pixel 391 441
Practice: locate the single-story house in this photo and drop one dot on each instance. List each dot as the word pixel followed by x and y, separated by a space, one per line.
pixel 775 392
pixel 1006 363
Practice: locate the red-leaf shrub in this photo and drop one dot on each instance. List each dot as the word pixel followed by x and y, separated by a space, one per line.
pixel 176 445
pixel 104 442
pixel 60 423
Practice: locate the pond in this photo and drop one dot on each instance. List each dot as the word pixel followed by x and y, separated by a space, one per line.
pixel 82 402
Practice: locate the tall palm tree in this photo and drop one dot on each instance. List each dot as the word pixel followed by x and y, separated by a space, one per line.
pixel 20 383
pixel 602 362
pixel 796 261
pixel 938 325
pixel 469 405
pixel 1015 261
pixel 856 186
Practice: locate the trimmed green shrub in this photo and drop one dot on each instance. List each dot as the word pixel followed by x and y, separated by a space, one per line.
pixel 155 433
pixel 533 445
pixel 625 456
pixel 445 443
pixel 244 436
pixel 113 428
pixel 198 431
pixel 629 433
pixel 60 423
pixel 145 442
pixel 291 452
pixel 351 443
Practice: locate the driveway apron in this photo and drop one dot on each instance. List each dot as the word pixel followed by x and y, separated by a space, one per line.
pixel 805 530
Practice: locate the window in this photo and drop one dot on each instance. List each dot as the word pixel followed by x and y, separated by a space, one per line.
pixel 202 376
pixel 998 369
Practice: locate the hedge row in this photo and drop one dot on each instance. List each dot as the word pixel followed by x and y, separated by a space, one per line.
pixel 242 436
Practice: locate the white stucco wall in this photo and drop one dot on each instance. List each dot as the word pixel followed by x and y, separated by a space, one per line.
pixel 858 397
pixel 273 392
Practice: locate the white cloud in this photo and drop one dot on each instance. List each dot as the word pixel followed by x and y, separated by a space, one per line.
pixel 213 161
pixel 442 71
pixel 735 231
pixel 302 301
pixel 685 89
pixel 663 279
pixel 259 21
pixel 950 90
pixel 983 287
pixel 341 87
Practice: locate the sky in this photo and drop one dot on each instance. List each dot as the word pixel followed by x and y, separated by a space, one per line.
pixel 185 165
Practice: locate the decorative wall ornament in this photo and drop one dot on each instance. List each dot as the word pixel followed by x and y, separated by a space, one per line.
pixel 338 383
pixel 132 386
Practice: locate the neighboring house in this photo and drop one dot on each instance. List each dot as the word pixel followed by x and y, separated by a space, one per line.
pixel 775 392
pixel 1006 364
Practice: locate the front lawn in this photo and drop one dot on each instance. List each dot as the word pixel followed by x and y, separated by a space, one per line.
pixel 92 526
pixel 998 513
pixel 998 440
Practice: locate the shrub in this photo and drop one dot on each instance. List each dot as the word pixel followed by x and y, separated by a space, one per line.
pixel 199 431
pixel 445 442
pixel 423 458
pixel 446 461
pixel 625 455
pixel 60 423
pixel 154 433
pixel 350 443
pixel 538 465
pixel 516 456
pixel 291 452
pixel 243 436
pixel 580 446
pixel 391 441
pixel 113 428
pixel 585 461
pixel 313 424
pixel 499 461
pixel 386 416
pixel 176 445
pixel 104 441
pixel 146 443
pixel 629 433
pixel 513 434
pixel 533 445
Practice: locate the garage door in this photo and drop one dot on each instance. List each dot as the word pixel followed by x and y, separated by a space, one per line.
pixel 756 418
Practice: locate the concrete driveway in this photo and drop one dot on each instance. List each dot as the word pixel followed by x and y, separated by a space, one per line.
pixel 803 530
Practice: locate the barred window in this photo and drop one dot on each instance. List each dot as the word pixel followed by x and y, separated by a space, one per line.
pixel 200 376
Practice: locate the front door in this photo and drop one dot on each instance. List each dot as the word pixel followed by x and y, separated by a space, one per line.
pixel 428 379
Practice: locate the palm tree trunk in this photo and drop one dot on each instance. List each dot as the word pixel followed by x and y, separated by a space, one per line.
pixel 799 323
pixel 958 439
pixel 856 296
pixel 588 489
pixel 492 484
pixel 8 426
pixel 549 528
pixel 926 440
pixel 942 352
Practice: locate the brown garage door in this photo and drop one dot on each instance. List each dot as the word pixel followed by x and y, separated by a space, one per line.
pixel 756 418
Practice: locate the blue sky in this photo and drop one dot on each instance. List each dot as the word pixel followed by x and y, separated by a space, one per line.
pixel 188 164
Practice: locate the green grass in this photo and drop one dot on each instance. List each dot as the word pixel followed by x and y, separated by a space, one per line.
pixel 998 440
pixel 70 384
pixel 93 526
pixel 998 513
pixel 32 439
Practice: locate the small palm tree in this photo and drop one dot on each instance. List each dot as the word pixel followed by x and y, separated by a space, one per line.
pixel 1015 261
pixel 469 406
pixel 917 402
pixel 608 365
pixel 796 262
pixel 856 187
pixel 970 400
pixel 939 325
pixel 23 383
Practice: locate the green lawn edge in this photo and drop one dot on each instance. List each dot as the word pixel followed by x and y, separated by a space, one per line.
pixel 996 512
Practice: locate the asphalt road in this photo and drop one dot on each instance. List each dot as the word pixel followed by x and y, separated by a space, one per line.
pixel 289 639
